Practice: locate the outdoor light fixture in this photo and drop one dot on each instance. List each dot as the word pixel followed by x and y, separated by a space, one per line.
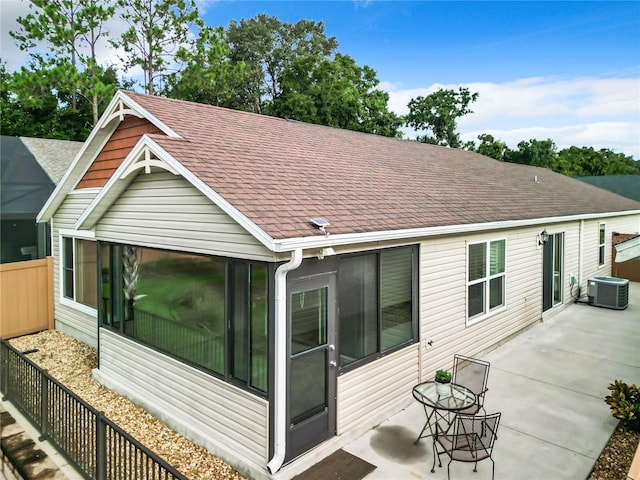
pixel 321 224
pixel 543 237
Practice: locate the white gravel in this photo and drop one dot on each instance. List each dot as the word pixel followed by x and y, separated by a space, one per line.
pixel 71 362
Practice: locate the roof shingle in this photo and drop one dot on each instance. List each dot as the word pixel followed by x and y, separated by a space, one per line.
pixel 281 173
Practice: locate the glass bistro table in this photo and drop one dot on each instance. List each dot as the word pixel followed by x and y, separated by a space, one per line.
pixel 438 408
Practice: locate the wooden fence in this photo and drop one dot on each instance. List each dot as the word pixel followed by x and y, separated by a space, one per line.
pixel 26 297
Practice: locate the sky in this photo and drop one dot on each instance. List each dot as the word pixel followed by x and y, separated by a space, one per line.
pixel 568 71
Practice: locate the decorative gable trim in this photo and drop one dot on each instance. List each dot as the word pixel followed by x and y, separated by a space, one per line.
pixel 146 154
pixel 121 104
pixel 119 112
pixel 146 160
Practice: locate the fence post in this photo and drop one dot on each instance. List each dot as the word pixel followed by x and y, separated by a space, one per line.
pixel 44 405
pixel 101 447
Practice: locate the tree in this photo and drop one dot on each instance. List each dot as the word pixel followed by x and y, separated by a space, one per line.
pixel 334 92
pixel 39 110
pixel 438 113
pixel 491 147
pixel 72 29
pixel 157 29
pixel 537 153
pixel 586 161
pixel 209 75
pixel 268 46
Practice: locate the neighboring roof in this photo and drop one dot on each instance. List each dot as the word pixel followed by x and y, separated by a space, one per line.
pixel 627 250
pixel 281 173
pixel 29 168
pixel 625 185
pixel 278 174
pixel 54 156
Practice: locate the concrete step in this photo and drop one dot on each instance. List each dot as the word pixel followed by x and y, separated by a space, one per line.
pixel 22 456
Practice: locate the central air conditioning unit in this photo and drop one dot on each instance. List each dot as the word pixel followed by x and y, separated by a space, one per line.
pixel 608 292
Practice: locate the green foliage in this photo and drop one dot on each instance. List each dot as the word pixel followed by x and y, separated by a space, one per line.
pixel 587 162
pixel 536 153
pixel 572 161
pixel 268 47
pixel 624 403
pixel 71 31
pixel 32 106
pixel 209 75
pixel 438 113
pixel 157 29
pixel 336 93
pixel 443 376
pixel 491 147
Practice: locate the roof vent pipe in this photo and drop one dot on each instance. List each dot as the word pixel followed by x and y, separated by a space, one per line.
pixel 280 361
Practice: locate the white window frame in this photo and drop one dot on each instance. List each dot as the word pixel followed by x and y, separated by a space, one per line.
pixel 602 253
pixel 487 312
pixel 74 235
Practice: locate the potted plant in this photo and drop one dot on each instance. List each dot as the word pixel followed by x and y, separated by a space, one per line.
pixel 443 378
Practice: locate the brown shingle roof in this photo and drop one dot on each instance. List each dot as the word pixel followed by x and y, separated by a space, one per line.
pixel 281 173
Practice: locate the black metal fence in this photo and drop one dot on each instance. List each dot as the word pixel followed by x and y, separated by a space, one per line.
pixel 92 443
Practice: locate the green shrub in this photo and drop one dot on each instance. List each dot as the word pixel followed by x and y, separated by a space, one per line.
pixel 442 376
pixel 624 402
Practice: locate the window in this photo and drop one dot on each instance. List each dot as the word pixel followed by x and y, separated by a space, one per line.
pixel 486 263
pixel 208 311
pixel 175 303
pixel 376 303
pixel 249 324
pixel 601 244
pixel 79 259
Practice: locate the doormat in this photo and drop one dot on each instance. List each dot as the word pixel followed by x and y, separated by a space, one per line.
pixel 340 465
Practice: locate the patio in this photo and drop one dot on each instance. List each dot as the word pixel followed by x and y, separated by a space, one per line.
pixel 549 383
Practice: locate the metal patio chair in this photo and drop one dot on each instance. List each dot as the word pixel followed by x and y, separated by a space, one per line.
pixel 471 440
pixel 473 374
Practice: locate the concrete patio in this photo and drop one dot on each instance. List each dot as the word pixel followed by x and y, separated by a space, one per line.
pixel 549 383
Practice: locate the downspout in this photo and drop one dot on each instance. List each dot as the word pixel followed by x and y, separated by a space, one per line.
pixel 580 256
pixel 280 361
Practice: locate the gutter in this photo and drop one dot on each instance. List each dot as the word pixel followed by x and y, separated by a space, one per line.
pixel 280 361
pixel 317 241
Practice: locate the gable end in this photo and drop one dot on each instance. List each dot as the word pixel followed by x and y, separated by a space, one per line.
pixel 115 151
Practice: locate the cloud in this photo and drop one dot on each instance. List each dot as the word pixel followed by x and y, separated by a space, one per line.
pixel 585 111
pixel 10 10
pixel 107 55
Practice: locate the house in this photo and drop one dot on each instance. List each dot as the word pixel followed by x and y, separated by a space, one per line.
pixel 29 171
pixel 271 288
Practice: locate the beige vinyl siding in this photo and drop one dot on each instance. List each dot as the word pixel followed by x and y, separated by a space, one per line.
pixel 591 239
pixel 162 210
pixel 68 319
pixel 367 395
pixel 629 224
pixel 622 224
pixel 229 422
pixel 443 289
